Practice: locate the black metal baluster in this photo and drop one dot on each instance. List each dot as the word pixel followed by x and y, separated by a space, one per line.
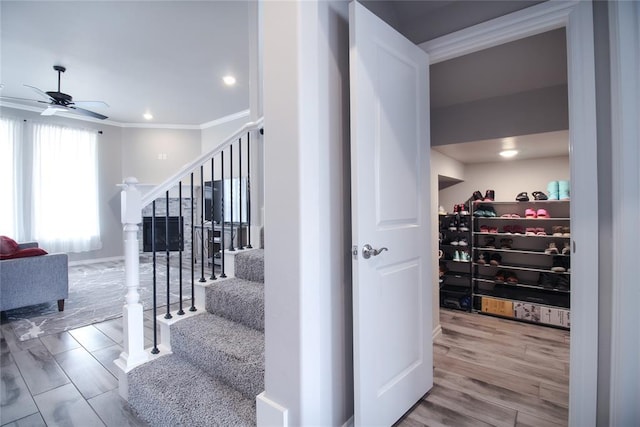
pixel 222 239
pixel 240 245
pixel 202 279
pixel 249 191
pixel 231 245
pixel 153 250
pixel 180 243
pixel 193 250
pixel 166 245
pixel 213 236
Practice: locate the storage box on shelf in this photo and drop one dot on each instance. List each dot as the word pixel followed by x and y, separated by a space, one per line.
pixel 455 260
pixel 521 254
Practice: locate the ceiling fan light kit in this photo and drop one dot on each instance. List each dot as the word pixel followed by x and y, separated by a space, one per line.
pixel 59 101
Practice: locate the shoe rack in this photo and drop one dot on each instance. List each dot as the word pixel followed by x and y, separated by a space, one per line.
pixel 455 259
pixel 521 260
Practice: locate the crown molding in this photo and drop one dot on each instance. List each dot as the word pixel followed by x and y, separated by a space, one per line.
pixel 225 119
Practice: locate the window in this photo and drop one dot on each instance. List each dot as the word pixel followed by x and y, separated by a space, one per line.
pixel 54 187
pixel 10 138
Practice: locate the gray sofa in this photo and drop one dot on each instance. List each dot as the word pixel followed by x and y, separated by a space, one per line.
pixel 33 280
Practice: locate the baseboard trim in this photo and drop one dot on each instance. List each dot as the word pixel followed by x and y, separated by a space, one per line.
pixel 95 260
pixel 269 413
pixel 437 331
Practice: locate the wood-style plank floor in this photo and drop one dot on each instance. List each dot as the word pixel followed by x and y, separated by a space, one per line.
pixel 495 372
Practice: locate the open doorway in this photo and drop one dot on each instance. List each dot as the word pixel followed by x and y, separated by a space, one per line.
pixel 504 235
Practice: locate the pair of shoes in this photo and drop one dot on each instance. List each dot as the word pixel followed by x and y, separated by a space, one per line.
pixel 463 225
pixel 554 281
pixel 559 190
pixel 488 229
pixel 477 195
pixel 513 229
pixel 506 243
pixel 537 195
pixel 561 231
pixel 483 258
pixel 490 242
pixel 460 209
pixel 532 213
pixel 560 264
pixel 552 249
pixel 495 259
pixel 510 215
pixel 462 256
pixel 506 276
pixel 487 211
pixel 460 242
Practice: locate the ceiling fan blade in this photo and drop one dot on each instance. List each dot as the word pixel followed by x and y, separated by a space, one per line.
pixel 40 92
pixel 87 112
pixel 91 104
pixel 23 99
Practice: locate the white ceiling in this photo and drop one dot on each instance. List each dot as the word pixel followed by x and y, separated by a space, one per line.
pixel 165 57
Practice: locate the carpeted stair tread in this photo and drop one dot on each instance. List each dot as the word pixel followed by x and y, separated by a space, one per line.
pixel 226 350
pixel 172 392
pixel 249 265
pixel 238 300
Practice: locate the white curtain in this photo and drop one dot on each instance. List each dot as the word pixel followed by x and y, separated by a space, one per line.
pixel 64 208
pixel 11 208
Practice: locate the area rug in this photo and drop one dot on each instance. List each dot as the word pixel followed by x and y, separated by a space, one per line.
pixel 96 294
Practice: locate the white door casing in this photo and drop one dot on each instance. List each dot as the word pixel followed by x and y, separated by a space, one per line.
pixel 393 359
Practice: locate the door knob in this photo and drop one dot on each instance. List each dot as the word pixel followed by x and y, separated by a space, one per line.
pixel 368 251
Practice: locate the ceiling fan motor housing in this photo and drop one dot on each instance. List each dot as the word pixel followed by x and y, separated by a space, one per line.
pixel 60 98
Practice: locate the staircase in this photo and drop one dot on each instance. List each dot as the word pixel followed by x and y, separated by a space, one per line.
pixel 216 368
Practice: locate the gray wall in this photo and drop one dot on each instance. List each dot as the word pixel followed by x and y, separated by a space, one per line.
pixel 141 148
pixel 531 112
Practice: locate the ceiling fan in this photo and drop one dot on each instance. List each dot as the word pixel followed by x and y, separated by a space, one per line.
pixel 58 101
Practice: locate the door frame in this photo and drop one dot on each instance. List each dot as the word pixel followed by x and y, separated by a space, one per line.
pixel 577 18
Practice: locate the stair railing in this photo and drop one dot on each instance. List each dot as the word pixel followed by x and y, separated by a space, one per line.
pixel 218 211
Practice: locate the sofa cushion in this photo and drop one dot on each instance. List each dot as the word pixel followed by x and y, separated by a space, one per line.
pixel 8 246
pixel 23 253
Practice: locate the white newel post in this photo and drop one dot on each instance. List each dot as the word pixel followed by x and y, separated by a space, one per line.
pixel 133 353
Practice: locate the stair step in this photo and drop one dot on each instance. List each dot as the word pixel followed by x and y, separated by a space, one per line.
pixel 173 392
pixel 249 265
pixel 226 350
pixel 238 300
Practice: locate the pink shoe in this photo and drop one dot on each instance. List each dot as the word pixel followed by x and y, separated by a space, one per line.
pixel 530 213
pixel 542 213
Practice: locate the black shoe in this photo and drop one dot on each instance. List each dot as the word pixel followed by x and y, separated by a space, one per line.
pixel 559 264
pixel 539 195
pixel 562 283
pixel 547 280
pixel 477 195
pixel 523 197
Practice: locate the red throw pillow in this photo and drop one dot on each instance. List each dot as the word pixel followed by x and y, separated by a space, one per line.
pixel 23 253
pixel 8 246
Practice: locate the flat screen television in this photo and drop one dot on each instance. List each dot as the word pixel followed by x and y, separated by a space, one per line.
pixel 215 198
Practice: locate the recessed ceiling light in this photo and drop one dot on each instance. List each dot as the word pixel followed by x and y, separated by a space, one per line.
pixel 508 153
pixel 229 80
pixel 148 116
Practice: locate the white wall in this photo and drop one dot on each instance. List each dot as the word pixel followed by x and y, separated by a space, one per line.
pixel 142 147
pixel 441 166
pixel 507 178
pixel 308 379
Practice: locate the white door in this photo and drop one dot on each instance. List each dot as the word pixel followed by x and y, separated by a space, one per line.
pixel 393 360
